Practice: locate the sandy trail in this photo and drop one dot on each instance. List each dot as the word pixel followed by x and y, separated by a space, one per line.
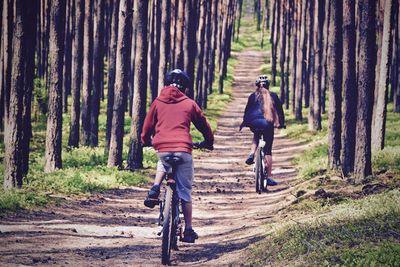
pixel 115 229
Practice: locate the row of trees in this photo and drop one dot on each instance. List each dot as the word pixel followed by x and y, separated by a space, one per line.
pixel 68 44
pixel 350 49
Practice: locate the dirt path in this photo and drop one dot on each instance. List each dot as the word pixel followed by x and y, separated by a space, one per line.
pixel 115 229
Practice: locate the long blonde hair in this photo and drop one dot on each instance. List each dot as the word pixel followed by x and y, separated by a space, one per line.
pixel 264 96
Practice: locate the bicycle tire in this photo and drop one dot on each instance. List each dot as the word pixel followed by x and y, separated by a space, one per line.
pixel 167 231
pixel 258 171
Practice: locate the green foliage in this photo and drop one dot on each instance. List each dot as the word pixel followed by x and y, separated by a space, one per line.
pixel 338 237
pixel 40 95
pixel 387 159
pixel 312 161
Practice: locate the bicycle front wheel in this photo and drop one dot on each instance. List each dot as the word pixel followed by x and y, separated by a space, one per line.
pixel 167 233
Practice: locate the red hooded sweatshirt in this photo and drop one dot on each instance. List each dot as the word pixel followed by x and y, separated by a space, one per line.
pixel 168 120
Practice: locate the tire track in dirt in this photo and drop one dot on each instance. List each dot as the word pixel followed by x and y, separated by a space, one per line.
pixel 115 229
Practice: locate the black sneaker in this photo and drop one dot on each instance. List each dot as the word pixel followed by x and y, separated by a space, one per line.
pixel 250 159
pixel 152 197
pixel 271 182
pixel 189 236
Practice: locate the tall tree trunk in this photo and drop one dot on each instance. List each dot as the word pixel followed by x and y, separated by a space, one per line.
pixel 189 42
pixel 53 158
pixel 155 48
pixel 240 4
pixel 396 97
pixel 349 87
pixel 324 79
pixel 98 72
pixel 76 77
pixel 121 82
pixel 366 84
pixel 67 54
pixel 164 42
pixel 275 41
pixel 111 72
pixel 318 54
pixel 379 124
pixel 335 83
pixel 201 53
pixel 207 83
pixel 6 40
pixel 282 56
pixel 294 62
pixel 135 156
pixel 179 35
pixel 289 27
pixel 214 42
pixel 19 90
pixel 301 66
pixel 87 77
pixel 309 82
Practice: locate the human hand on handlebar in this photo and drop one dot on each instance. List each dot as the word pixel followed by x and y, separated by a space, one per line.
pixel 203 144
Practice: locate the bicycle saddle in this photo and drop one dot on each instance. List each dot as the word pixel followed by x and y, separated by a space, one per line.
pixel 172 160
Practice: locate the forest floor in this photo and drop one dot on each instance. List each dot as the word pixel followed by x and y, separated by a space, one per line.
pixel 114 228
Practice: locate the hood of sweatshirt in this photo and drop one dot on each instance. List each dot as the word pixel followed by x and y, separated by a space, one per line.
pixel 171 95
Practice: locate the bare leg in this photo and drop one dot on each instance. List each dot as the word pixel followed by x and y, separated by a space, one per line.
pixel 187 213
pixel 159 177
pixel 268 163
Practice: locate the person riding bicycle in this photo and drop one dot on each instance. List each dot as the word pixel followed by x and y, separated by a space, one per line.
pixel 262 114
pixel 168 123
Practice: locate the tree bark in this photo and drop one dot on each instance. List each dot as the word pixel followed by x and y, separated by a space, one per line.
pixel 76 76
pixel 349 87
pixel 87 77
pixel 282 56
pixel 179 35
pixel 53 158
pixel 275 42
pixel 189 42
pixel 135 156
pixel 164 42
pixel 200 53
pixel 17 131
pixel 98 72
pixel 294 62
pixel 379 124
pixel 366 84
pixel 154 46
pixel 121 82
pixel 396 97
pixel 111 73
pixel 335 83
pixel 301 66
pixel 67 54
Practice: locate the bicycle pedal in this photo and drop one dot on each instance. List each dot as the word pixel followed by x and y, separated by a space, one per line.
pixel 151 202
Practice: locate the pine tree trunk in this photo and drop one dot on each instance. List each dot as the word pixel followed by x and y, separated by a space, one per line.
pixel 396 97
pixel 207 84
pixel 53 158
pixel 325 58
pixel 366 84
pixel 189 42
pixel 214 42
pixel 111 72
pixel 155 48
pixel 87 77
pixel 318 54
pixel 164 42
pixel 349 87
pixel 179 35
pixel 308 81
pixel 22 13
pixel 301 65
pixel 98 72
pixel 76 76
pixel 67 54
pixel 240 4
pixel 294 62
pixel 335 83
pixel 282 56
pixel 275 42
pixel 135 156
pixel 200 55
pixel 379 124
pixel 121 82
pixel 289 27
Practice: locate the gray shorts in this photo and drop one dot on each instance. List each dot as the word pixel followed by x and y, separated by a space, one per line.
pixel 184 173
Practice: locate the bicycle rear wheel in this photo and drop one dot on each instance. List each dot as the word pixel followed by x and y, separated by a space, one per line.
pixel 167 232
pixel 259 172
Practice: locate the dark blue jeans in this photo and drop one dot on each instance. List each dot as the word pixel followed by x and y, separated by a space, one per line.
pixel 266 128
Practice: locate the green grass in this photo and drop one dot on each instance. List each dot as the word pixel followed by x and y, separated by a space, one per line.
pixel 354 233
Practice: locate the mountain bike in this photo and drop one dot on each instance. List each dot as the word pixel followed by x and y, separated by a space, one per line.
pixel 170 213
pixel 259 168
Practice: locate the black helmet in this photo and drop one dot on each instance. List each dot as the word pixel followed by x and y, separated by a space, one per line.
pixel 177 77
pixel 262 80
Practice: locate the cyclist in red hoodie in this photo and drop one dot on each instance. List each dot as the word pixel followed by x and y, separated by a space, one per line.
pixel 168 122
